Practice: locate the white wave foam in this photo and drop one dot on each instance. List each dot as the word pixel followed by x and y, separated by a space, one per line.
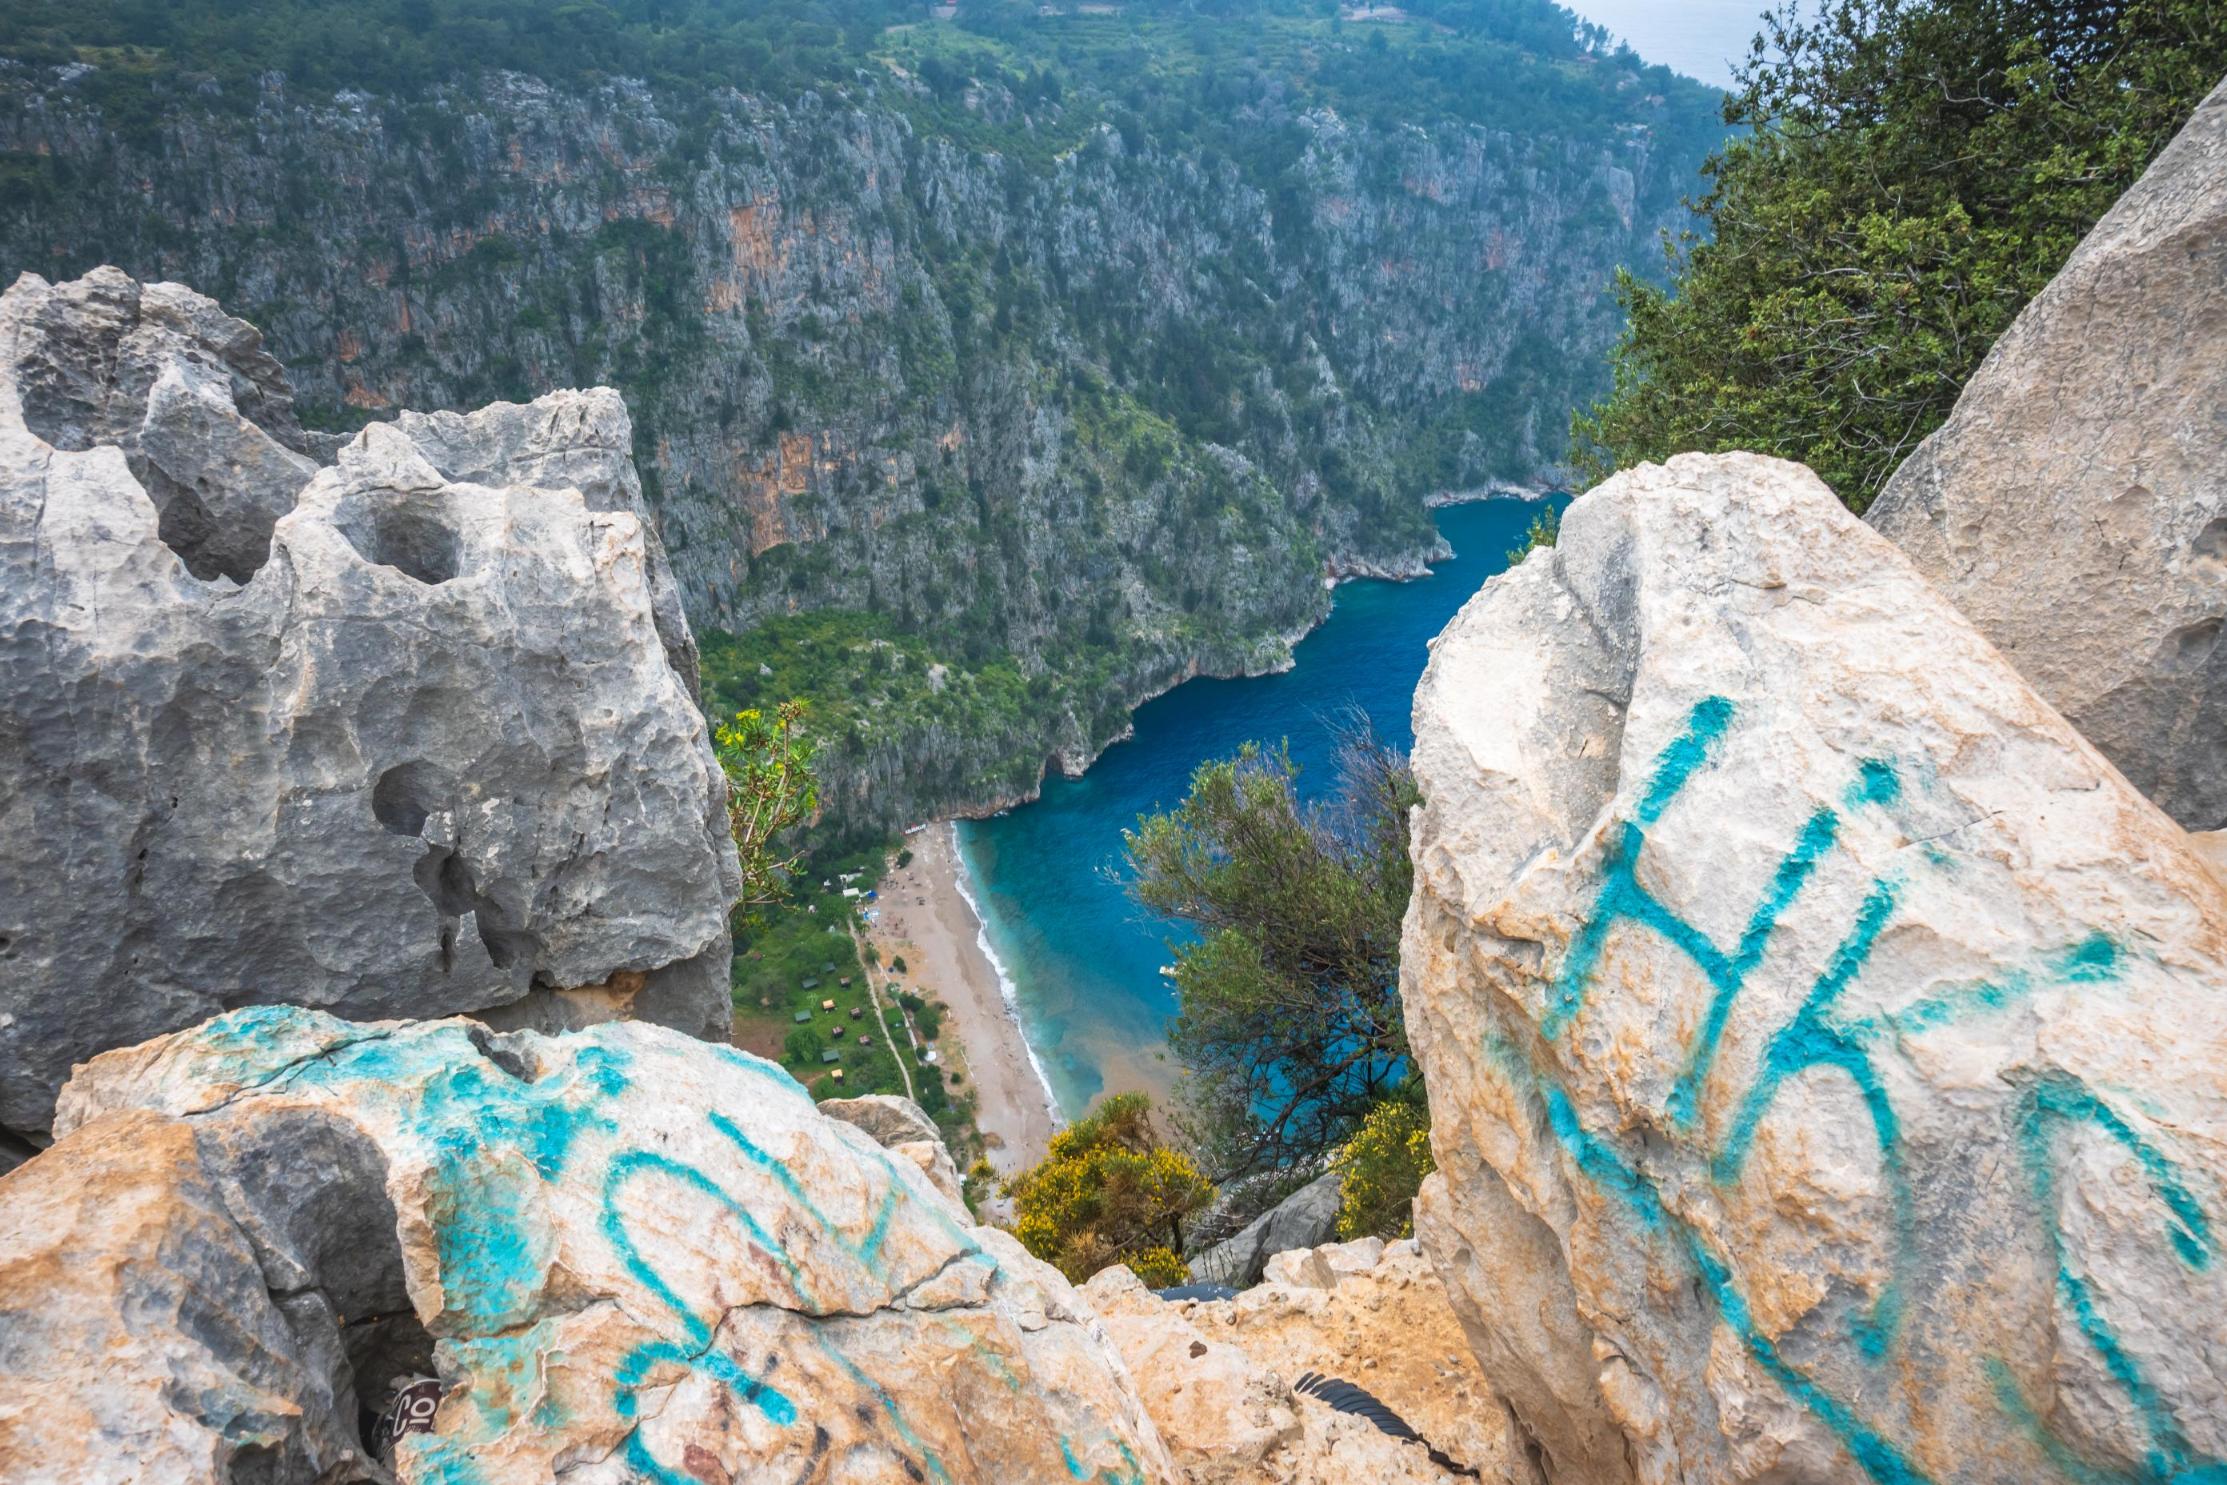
pixel 1007 990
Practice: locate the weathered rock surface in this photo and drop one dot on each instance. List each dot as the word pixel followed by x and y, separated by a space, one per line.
pixel 902 1127
pixel 1824 1041
pixel 630 1255
pixel 2074 506
pixel 1304 1219
pixel 1218 1377
pixel 402 736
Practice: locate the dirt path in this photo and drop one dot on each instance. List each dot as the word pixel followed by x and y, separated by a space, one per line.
pixel 881 1014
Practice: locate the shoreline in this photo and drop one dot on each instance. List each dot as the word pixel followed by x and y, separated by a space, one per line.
pixel 929 917
pixel 962 880
pixel 1017 1122
pixel 1074 762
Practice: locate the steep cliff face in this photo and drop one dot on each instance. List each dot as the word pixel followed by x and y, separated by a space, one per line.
pixel 1074 399
pixel 1823 1039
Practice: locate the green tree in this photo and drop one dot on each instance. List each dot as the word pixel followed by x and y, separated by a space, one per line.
pixel 1382 1167
pixel 1289 1028
pixel 803 1045
pixel 1913 172
pixel 771 790
pixel 1110 1192
pixel 1545 527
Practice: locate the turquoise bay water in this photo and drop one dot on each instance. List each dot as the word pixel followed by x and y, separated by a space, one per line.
pixel 1083 958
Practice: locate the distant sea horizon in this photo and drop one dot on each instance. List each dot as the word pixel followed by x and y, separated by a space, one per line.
pixel 1703 39
pixel 1047 879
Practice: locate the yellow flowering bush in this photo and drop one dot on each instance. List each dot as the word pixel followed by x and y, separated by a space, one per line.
pixel 1380 1169
pixel 770 790
pixel 1109 1192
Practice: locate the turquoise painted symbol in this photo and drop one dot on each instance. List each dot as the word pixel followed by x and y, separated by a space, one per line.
pixel 1822 1035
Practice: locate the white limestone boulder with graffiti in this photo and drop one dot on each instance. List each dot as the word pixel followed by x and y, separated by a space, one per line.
pixel 623 1255
pixel 1827 1048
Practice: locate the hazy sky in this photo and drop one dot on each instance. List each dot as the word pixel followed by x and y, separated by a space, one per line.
pixel 1701 38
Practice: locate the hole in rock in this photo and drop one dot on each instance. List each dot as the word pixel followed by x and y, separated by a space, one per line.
pixel 2211 542
pixel 446 880
pixel 506 944
pixel 2188 647
pixel 408 792
pixel 452 890
pixel 15 1149
pixel 210 547
pixel 410 538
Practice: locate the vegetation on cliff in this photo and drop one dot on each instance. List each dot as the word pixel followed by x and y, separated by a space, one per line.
pixel 1060 349
pixel 771 794
pixel 1110 1191
pixel 1289 1030
pixel 1914 172
pixel 1381 1168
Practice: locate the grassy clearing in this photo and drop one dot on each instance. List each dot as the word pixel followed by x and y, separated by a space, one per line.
pixel 800 959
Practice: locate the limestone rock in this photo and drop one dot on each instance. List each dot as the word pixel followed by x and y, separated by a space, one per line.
pixel 565 441
pixel 1222 1417
pixel 201 412
pixel 627 1254
pixel 126 1279
pixel 2074 506
pixel 903 1128
pixel 1324 1267
pixel 1823 1040
pixel 1305 1218
pixel 373 737
pixel 1218 1377
pixel 888 1119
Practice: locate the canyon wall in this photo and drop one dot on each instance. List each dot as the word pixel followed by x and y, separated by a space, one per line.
pixel 1083 405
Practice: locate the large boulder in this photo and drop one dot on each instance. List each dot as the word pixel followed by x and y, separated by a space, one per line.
pixel 1305 1219
pixel 1824 1041
pixel 410 734
pixel 2074 506
pixel 620 1254
pixel 903 1127
pixel 1228 1381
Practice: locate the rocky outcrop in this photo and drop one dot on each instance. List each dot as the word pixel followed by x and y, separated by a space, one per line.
pixel 1823 1039
pixel 622 1254
pixel 1227 1381
pixel 2074 506
pixel 902 1127
pixel 405 734
pixel 1306 1218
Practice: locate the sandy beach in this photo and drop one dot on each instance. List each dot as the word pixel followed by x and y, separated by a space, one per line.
pixel 925 920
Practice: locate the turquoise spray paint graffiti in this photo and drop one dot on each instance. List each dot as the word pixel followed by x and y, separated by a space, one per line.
pixel 492 1139
pixel 1820 1037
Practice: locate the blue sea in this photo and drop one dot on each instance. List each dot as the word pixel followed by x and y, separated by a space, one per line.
pixel 1048 877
